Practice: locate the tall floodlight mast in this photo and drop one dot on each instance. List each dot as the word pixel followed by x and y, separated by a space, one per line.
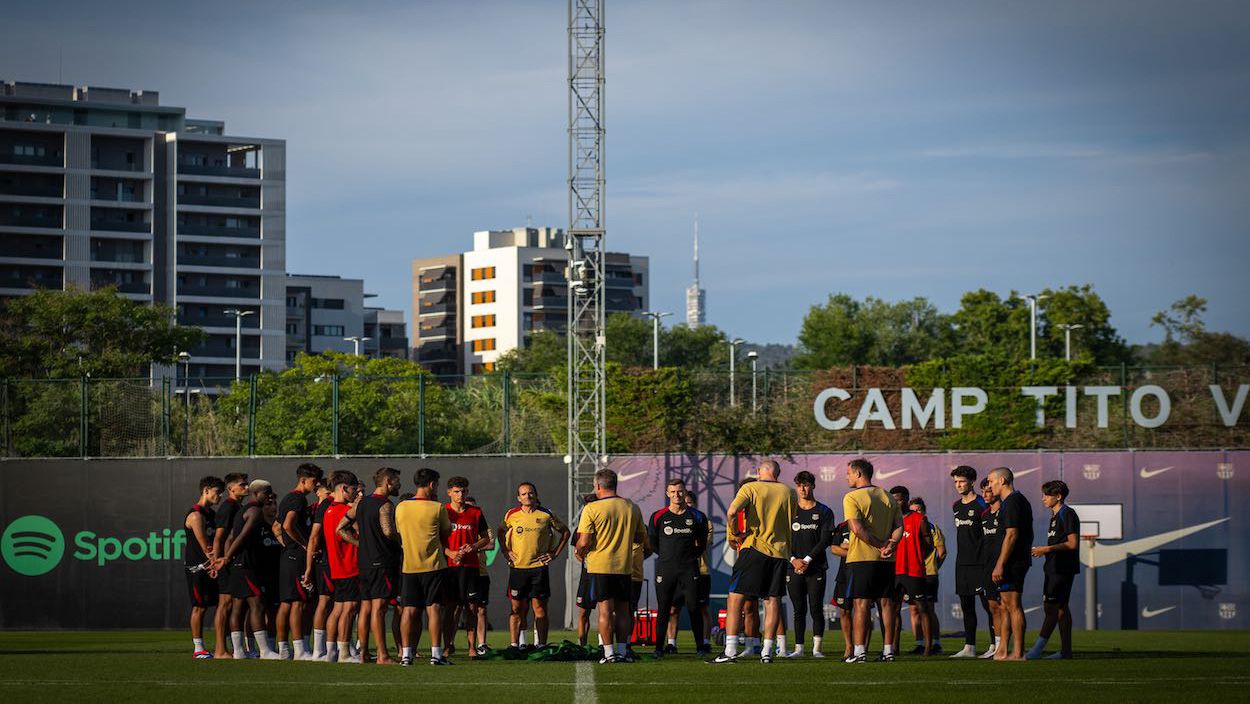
pixel 586 339
pixel 585 331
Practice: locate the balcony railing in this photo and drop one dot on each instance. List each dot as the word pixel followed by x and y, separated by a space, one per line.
pixel 120 226
pixel 203 230
pixel 441 282
pixel 219 201
pixel 23 160
pixel 205 260
pixel 437 308
pixel 230 171
pixel 219 291
pixel 219 321
pixel 128 287
pixel 52 221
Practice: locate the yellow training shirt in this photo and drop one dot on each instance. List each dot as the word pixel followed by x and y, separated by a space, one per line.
pixel 876 509
pixel 616 523
pixel 423 526
pixel 528 534
pixel 939 541
pixel 770 509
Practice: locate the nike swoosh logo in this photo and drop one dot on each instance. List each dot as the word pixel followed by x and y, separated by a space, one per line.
pixel 1148 473
pixel 1029 611
pixel 627 477
pixel 887 475
pixel 1151 613
pixel 1105 554
pixel 1023 472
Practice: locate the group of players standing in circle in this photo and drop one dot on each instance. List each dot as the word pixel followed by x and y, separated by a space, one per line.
pixel 349 556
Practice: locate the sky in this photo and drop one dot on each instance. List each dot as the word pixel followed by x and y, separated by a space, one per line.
pixel 889 149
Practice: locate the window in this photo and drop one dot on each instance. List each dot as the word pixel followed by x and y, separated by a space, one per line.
pixel 292 301
pixel 292 328
pixel 483 273
pixel 483 297
pixel 328 303
pixel 328 330
pixel 486 345
pixel 484 321
pixel 483 367
pixel 29 150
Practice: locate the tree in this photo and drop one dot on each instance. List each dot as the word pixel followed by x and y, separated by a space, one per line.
pixel 1096 339
pixel 703 347
pixel 547 351
pixel 845 332
pixel 72 333
pixel 629 340
pixel 1186 340
pixel 987 324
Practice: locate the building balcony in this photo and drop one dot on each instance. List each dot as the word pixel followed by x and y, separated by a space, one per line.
pixel 130 287
pixel 440 283
pixel 437 353
pixel 550 302
pixel 225 171
pixel 547 277
pixel 437 308
pixel 250 322
pixel 50 220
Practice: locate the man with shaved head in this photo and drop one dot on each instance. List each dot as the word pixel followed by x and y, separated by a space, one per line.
pixel 760 573
pixel 1015 520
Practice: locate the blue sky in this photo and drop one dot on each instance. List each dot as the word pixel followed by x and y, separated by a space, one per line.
pixel 893 149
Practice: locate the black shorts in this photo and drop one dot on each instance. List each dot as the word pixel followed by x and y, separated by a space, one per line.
pixel 841 593
pixel 223 581
pixel 1013 577
pixel 380 582
pixel 609 587
pixel 968 579
pixel 871 579
pixel 291 577
pixel 989 588
pixel 322 582
pixel 461 584
pixel 421 589
pixel 347 590
pixel 758 575
pixel 911 589
pixel 269 586
pixel 635 593
pixel 583 592
pixel 244 583
pixel 483 589
pixel 202 589
pixel 530 583
pixel 931 586
pixel 1057 588
pixel 702 587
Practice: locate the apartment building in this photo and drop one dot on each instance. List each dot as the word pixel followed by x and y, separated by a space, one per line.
pixel 471 308
pixel 104 186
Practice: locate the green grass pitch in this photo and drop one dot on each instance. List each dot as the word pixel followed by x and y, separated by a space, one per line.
pixel 128 667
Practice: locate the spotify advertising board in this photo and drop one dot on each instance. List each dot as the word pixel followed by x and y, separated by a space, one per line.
pixel 99 543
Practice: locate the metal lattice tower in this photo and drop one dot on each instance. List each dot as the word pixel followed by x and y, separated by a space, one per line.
pixel 586 338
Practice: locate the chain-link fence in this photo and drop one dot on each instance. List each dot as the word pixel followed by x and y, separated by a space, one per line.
pixel 666 410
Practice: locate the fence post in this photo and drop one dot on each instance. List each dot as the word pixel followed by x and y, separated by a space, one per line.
pixel 334 415
pixel 165 416
pixel 8 432
pixel 82 417
pixel 251 415
pixel 421 414
pixel 507 425
pixel 1124 401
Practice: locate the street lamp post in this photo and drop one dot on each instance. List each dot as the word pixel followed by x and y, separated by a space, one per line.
pixel 1067 338
pixel 733 368
pixel 1033 300
pixel 356 341
pixel 655 336
pixel 754 357
pixel 238 339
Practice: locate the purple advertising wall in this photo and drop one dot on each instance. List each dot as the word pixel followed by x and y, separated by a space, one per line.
pixel 1183 562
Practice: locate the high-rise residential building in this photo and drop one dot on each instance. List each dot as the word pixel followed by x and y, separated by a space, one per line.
pixel 103 186
pixel 696 297
pixel 471 308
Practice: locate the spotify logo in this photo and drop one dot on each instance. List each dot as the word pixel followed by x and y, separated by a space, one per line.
pixel 32 545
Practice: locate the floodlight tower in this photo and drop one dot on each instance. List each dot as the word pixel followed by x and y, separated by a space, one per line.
pixel 584 242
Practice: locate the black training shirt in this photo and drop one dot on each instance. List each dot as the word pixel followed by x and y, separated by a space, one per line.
pixel 968 532
pixel 1062 524
pixel 297 503
pixel 1018 513
pixel 811 534
pixel 678 538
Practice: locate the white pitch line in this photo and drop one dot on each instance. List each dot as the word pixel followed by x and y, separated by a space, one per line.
pixel 584 684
